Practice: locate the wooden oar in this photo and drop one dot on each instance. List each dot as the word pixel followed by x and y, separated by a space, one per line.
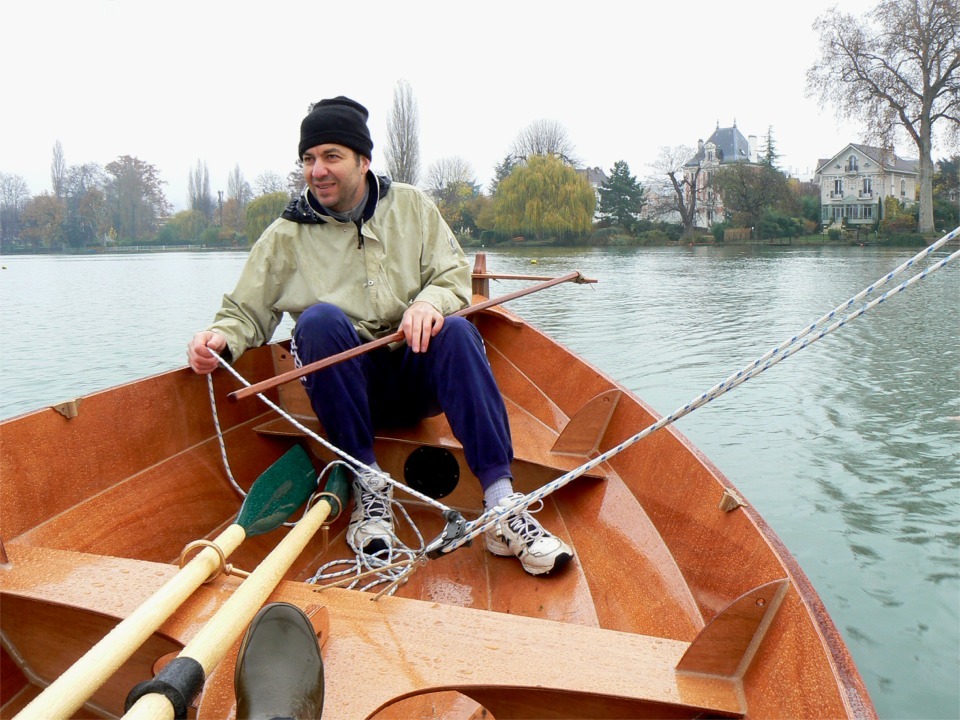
pixel 183 677
pixel 275 495
pixel 297 373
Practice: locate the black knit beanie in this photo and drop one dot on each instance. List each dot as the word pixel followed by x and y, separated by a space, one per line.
pixel 337 120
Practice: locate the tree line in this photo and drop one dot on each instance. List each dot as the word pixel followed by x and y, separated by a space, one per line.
pixel 897 70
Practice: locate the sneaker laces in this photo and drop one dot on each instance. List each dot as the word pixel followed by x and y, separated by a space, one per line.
pixel 528 529
pixel 375 505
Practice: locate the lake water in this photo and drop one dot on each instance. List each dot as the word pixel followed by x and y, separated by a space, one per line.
pixel 850 449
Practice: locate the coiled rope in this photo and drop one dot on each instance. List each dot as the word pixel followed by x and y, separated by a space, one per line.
pixel 385 566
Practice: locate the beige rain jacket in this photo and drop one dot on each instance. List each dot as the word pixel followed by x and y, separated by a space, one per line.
pixel 403 252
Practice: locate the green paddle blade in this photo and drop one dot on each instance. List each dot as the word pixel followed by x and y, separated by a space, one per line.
pixel 338 483
pixel 278 492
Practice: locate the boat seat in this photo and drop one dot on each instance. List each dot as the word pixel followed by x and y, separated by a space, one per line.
pixel 435 432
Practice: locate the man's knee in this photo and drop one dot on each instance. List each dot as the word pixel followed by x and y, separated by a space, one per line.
pixel 322 330
pixel 321 317
pixel 458 331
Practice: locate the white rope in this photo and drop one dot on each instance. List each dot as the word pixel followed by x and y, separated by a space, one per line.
pixel 390 566
pixel 384 566
pixel 356 465
pixel 789 347
pixel 223 447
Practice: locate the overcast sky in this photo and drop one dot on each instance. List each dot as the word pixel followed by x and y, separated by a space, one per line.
pixel 227 83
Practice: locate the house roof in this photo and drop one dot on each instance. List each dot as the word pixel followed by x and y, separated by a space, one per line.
pixel 883 157
pixel 731 145
pixel 595 176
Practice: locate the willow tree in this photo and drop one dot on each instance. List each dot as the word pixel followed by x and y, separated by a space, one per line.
pixel 264 210
pixel 544 198
pixel 897 74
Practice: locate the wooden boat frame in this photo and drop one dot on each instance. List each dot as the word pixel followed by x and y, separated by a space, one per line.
pixel 681 602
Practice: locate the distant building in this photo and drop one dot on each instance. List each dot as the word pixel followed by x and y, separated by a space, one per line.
pixel 596 177
pixel 855 181
pixel 724 147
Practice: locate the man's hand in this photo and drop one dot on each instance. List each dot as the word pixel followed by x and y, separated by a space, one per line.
pixel 421 321
pixel 199 357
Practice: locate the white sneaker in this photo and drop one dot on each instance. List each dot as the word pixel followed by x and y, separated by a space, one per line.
pixel 521 536
pixel 371 522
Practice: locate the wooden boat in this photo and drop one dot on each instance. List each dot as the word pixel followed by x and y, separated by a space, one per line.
pixel 681 602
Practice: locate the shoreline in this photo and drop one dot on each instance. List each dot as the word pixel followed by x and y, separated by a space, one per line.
pixel 805 241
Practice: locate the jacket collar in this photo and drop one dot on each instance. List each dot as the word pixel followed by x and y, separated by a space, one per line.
pixel 305 210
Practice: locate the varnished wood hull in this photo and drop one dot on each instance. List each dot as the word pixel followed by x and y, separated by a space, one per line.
pixel 674 606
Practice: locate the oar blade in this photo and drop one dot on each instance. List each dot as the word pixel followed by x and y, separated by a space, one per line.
pixel 338 483
pixel 278 492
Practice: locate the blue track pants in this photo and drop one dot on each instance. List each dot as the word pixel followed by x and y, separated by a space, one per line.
pixel 386 387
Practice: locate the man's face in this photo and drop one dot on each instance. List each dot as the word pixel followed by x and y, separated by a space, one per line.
pixel 335 175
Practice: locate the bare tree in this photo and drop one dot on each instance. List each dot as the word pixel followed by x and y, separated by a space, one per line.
pixel 545 137
pixel 58 170
pixel 671 191
pixel 238 188
pixel 198 191
pixel 14 194
pixel 450 176
pixel 136 197
pixel 269 182
pixel 81 178
pixel 295 182
pixel 899 74
pixel 403 136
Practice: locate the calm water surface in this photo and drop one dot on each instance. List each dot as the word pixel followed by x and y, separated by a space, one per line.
pixel 850 449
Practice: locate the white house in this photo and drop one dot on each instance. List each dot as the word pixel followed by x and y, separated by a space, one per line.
pixel 596 177
pixel 855 182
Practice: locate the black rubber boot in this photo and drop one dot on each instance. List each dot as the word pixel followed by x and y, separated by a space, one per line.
pixel 279 670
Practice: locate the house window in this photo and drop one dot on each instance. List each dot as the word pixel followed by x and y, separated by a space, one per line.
pixel 837 188
pixel 867 188
pixel 859 212
pixel 852 164
pixel 903 188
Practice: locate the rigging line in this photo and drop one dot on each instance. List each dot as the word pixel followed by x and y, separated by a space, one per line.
pixel 332 448
pixel 491 516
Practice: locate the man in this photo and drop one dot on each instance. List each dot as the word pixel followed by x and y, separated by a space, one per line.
pixel 354 258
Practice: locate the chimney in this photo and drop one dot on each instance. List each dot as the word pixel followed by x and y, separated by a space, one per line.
pixel 752 139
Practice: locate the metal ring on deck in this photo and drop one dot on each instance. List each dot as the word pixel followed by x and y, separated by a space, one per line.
pixel 316 496
pixel 202 544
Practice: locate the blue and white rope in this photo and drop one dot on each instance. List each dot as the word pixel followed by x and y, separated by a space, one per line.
pixel 789 347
